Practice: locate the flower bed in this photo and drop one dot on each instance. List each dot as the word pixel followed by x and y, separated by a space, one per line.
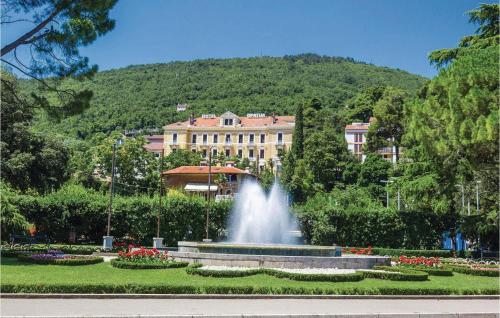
pixel 476 270
pixel 13 250
pixel 398 252
pixel 143 258
pixel 56 257
pixel 430 265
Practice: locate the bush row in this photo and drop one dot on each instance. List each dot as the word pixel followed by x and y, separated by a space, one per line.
pixel 118 263
pixel 325 223
pixel 392 273
pixel 195 269
pixel 85 212
pixel 399 252
pixel 161 288
pixel 396 273
pixel 66 249
pixel 472 271
pixel 86 260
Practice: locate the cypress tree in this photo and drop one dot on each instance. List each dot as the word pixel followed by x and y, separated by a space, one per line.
pixel 298 134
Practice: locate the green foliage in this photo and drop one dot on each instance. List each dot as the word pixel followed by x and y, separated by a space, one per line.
pixel 298 134
pixel 455 133
pixel 29 160
pixel 181 157
pixel 398 273
pixel 350 217
pixel 388 127
pixel 408 252
pixel 487 35
pixel 472 271
pixel 372 172
pixel 326 156
pixel 11 220
pixel 85 211
pixel 73 261
pixel 145 95
pixel 54 33
pixel 360 107
pixel 196 270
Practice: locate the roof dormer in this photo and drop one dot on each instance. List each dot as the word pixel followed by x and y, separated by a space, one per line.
pixel 229 119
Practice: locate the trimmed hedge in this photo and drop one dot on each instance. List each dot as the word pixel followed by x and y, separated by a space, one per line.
pixel 472 271
pixel 118 263
pixel 272 290
pixel 73 250
pixel 354 277
pixel 396 273
pixel 84 260
pixel 399 252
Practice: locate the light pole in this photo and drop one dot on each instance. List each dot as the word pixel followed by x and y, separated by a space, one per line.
pixel 477 195
pixel 158 241
pixel 107 243
pixel 387 190
pixel 207 239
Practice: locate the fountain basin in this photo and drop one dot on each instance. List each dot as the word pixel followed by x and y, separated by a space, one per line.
pixel 273 256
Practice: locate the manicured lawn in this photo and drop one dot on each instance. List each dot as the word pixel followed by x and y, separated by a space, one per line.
pixel 100 278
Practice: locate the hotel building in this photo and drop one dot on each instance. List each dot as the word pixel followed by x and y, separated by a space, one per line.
pixel 255 136
pixel 355 135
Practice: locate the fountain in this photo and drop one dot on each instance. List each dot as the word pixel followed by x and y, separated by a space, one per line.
pixel 260 219
pixel 261 234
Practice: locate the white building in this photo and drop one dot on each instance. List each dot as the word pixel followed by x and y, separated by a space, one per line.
pixel 355 135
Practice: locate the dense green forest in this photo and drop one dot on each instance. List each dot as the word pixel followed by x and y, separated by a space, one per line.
pixel 145 96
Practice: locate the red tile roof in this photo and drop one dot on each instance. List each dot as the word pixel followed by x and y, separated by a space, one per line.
pixel 360 126
pixel 204 170
pixel 244 121
pixel 154 146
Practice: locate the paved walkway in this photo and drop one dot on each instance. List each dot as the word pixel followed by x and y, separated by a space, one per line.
pixel 249 307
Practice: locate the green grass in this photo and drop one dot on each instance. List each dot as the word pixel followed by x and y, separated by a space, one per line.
pixel 36 277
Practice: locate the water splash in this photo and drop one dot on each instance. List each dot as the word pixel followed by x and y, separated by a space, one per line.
pixel 257 218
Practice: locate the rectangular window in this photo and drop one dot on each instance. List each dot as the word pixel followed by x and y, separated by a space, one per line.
pixel 174 138
pixel 228 138
pixel 193 139
pixel 214 152
pixel 205 139
pixel 250 153
pixel 280 138
pixel 240 153
pixel 262 138
pixel 228 152
pixel 240 138
pixel 251 138
pixel 261 154
pixel 358 137
pixel 357 148
pixel 216 139
pixel 204 153
pixel 228 122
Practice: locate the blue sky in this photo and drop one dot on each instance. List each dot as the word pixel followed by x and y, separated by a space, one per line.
pixel 394 33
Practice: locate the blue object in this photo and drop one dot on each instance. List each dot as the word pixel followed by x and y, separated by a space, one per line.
pixel 447 244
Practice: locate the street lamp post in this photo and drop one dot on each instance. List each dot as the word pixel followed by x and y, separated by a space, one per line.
pixel 158 241
pixel 107 243
pixel 207 239
pixel 387 191
pixel 477 195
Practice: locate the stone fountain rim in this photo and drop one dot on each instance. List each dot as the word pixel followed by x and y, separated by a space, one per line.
pixel 256 246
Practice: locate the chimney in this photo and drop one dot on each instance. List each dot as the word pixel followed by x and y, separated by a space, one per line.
pixel 274 118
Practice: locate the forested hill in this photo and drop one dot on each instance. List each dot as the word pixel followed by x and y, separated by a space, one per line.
pixel 144 96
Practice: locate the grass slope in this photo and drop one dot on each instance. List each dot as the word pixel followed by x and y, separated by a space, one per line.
pixel 47 278
pixel 145 95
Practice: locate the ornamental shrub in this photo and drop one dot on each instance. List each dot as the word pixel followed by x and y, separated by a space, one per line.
pixel 325 221
pixel 85 211
pixel 52 259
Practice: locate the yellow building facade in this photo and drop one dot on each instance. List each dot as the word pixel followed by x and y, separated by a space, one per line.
pixel 258 137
